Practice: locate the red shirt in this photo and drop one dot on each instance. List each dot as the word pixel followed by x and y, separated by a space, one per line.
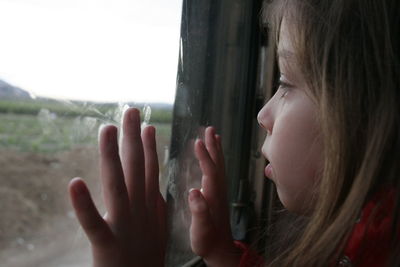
pixel 369 242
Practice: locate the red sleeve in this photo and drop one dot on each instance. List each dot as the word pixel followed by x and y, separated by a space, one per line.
pixel 249 258
pixel 369 242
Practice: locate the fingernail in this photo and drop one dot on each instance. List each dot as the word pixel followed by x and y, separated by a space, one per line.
pixel 197 141
pixel 194 194
pixel 200 142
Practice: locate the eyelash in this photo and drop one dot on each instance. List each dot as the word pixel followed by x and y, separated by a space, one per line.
pixel 285 86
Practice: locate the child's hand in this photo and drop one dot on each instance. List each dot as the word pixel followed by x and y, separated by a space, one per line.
pixel 133 231
pixel 210 231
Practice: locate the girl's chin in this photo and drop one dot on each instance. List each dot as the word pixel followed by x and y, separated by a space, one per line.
pixel 295 206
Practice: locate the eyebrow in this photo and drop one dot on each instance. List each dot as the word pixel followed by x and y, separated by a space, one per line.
pixel 285 54
pixel 288 59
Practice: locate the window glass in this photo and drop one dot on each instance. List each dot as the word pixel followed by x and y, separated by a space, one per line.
pixel 66 68
pixel 216 86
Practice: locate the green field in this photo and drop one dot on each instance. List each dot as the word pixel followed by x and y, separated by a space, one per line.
pixel 50 126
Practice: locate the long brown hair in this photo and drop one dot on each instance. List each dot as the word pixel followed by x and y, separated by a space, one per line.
pixel 349 53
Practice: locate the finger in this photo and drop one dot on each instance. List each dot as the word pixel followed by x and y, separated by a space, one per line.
pixel 211 144
pixel 214 148
pixel 114 189
pixel 202 230
pixel 209 170
pixel 133 160
pixel 151 168
pixel 207 164
pixel 92 223
pixel 221 162
pixel 219 144
pixel 213 186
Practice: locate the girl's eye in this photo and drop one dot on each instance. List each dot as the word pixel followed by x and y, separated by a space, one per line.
pixel 285 87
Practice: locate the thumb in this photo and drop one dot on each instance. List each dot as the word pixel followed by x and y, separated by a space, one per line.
pixel 92 223
pixel 202 229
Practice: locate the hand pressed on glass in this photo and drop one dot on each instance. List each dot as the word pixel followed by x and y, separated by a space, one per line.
pixel 133 231
pixel 210 231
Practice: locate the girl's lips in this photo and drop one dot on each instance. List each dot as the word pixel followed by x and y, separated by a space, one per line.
pixel 268 171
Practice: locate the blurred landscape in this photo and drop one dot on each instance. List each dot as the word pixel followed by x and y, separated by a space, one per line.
pixel 43 144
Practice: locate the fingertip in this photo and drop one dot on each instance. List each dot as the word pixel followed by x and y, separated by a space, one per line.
pixel 109 129
pixel 149 137
pixel 200 144
pixel 108 133
pixel 108 141
pixel 79 194
pixel 75 180
pixel 212 142
pixel 132 113
pixel 133 110
pixel 150 130
pixel 77 186
pixel 210 130
pixel 210 135
pixel 133 116
pixel 197 203
pixel 194 194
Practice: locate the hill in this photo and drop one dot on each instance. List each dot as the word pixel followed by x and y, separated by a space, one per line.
pixel 8 91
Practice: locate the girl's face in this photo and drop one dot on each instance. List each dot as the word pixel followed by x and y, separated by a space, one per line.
pixel 292 146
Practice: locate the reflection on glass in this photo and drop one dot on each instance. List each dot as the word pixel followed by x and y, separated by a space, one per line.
pixel 67 68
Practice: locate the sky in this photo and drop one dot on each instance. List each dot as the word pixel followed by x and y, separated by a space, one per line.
pixel 96 50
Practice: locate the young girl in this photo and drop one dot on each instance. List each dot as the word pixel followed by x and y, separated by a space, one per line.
pixel 333 146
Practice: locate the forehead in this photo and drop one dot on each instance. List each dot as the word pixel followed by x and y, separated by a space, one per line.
pixel 285 46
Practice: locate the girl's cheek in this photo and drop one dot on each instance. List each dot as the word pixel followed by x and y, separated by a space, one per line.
pixel 292 172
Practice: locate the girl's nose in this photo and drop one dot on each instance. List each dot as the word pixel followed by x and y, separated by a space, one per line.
pixel 265 118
